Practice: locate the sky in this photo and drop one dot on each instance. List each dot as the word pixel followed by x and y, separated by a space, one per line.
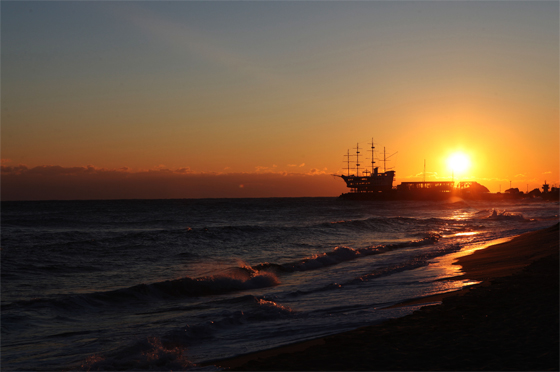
pixel 189 99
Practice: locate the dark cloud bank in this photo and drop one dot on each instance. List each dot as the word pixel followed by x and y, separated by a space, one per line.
pixel 75 183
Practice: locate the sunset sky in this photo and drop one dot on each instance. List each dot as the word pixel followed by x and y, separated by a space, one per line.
pixel 253 99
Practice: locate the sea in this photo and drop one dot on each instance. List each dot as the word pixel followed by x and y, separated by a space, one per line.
pixel 177 284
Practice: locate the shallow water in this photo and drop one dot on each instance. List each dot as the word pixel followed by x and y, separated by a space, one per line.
pixel 163 284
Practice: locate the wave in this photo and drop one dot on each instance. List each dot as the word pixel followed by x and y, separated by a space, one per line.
pixel 502 215
pixel 237 279
pixel 99 237
pixel 397 224
pixel 372 223
pixel 456 204
pixel 417 261
pixel 547 218
pixel 342 254
pixel 255 309
pixel 149 354
pixel 207 285
pixel 413 263
pixel 170 351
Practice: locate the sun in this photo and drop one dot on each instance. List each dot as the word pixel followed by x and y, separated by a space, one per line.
pixel 459 163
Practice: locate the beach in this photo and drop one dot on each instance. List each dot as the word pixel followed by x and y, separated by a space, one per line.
pixel 509 321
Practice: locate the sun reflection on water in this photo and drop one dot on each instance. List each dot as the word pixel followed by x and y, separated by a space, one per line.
pixel 461 216
pixel 470 233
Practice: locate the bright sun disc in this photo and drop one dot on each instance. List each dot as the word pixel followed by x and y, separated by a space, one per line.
pixel 458 163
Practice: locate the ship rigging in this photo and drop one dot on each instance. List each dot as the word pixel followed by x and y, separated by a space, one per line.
pixel 379 185
pixel 371 181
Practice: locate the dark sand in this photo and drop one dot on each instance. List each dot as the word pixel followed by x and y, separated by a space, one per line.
pixel 508 322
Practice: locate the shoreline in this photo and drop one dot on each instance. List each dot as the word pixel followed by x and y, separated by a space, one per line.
pixel 528 263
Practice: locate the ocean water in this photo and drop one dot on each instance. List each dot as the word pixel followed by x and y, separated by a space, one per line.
pixel 170 284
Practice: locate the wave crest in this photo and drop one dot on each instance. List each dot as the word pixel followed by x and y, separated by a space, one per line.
pixel 238 279
pixel 341 254
pixel 149 354
pixel 500 215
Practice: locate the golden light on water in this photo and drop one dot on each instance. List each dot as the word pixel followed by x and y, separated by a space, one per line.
pixel 466 233
pixel 462 234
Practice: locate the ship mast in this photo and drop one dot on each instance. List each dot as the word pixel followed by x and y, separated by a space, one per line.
pixel 372 158
pixel 348 161
pixel 385 157
pixel 357 160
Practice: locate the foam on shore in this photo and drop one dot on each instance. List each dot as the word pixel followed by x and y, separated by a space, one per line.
pixel 509 321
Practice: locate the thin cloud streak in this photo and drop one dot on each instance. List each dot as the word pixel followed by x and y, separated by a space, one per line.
pixel 52 182
pixel 182 38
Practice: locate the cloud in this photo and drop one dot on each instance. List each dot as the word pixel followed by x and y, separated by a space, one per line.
pixel 49 170
pixel 520 175
pixel 494 179
pixel 549 172
pixel 182 38
pixel 421 175
pixel 315 172
pixel 53 182
pixel 259 169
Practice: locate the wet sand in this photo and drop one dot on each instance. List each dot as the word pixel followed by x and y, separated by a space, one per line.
pixel 507 322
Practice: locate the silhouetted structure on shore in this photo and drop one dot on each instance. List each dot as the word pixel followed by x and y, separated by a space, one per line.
pixel 550 193
pixel 375 185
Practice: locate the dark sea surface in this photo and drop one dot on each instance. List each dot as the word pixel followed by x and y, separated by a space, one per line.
pixel 168 284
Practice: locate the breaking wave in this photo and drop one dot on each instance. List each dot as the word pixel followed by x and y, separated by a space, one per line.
pixel 342 254
pixel 415 262
pixel 170 351
pixel 502 215
pixel 238 279
pixel 149 354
